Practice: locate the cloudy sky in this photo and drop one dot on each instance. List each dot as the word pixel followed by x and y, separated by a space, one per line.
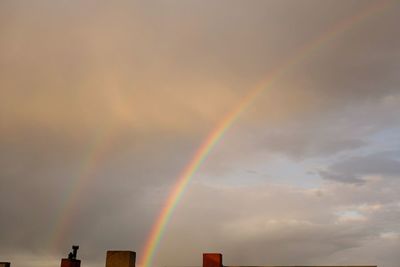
pixel 104 103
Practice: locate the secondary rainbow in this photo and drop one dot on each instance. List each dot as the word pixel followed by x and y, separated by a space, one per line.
pixel 93 158
pixel 215 135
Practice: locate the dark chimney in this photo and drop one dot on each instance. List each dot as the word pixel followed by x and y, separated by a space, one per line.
pixel 71 261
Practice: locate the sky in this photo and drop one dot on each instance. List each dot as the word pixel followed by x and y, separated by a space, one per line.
pixel 104 103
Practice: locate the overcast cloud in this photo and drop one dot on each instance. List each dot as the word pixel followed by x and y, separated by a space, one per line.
pixel 102 104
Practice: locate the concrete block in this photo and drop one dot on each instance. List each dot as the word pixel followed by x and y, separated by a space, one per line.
pixel 212 260
pixel 116 258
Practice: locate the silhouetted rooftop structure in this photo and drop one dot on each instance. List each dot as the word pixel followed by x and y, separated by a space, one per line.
pixel 71 261
pixel 126 258
pixel 118 258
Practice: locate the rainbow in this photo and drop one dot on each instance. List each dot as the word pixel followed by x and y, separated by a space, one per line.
pixel 94 156
pixel 217 133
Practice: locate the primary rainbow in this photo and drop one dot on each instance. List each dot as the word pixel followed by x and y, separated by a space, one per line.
pixel 184 178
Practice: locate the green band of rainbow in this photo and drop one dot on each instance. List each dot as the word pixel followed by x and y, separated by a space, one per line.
pixel 184 178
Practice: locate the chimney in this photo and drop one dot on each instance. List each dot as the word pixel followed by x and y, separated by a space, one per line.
pixel 71 261
pixel 212 260
pixel 120 258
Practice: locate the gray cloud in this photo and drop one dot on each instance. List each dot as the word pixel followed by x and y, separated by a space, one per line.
pixel 136 86
pixel 353 170
pixel 282 225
